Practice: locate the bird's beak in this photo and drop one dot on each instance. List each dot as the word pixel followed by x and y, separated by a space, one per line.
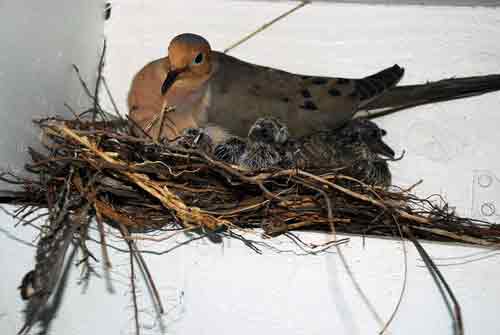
pixel 169 81
pixel 380 147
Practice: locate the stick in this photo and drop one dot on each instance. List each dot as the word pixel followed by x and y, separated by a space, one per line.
pixel 134 293
pixel 98 82
pixel 439 279
pixel 265 26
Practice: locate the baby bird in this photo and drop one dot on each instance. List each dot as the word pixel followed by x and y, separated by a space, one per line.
pixel 231 150
pixel 355 148
pixel 260 150
pixel 194 138
pixel 369 133
pixel 204 138
pixel 265 140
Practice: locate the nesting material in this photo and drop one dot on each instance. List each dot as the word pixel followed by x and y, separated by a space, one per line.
pixel 144 185
pixel 97 170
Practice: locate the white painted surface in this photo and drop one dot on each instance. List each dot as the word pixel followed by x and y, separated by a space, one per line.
pixel 228 289
pixel 469 3
pixel 40 42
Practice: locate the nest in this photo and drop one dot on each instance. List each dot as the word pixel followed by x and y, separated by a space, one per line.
pixel 144 185
pixel 98 170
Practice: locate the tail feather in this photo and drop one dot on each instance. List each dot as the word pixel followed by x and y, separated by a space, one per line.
pixel 371 87
pixel 401 97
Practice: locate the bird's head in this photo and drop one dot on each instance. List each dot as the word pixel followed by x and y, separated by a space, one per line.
pixel 189 61
pixel 369 133
pixel 268 130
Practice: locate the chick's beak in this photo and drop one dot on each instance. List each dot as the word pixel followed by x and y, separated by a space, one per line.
pixel 380 147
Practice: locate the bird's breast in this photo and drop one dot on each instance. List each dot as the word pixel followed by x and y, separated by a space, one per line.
pixel 193 101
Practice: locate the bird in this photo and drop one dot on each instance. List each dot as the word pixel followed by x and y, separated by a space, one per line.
pixel 200 138
pixel 262 148
pixel 230 150
pixel 259 150
pixel 209 87
pixel 356 149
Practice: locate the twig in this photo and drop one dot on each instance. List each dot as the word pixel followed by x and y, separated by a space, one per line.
pixel 72 111
pixel 106 264
pixel 149 278
pixel 356 195
pixel 265 26
pixel 82 82
pixel 439 279
pixel 135 125
pixel 98 82
pixel 328 205
pixel 170 200
pixel 405 277
pixel 457 237
pixel 134 293
pixel 111 99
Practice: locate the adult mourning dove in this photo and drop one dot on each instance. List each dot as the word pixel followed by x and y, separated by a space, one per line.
pixel 207 86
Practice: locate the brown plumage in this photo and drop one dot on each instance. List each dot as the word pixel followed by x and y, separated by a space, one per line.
pixel 209 87
pixel 188 94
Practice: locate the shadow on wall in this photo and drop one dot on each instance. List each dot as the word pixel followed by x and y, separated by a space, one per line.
pixel 40 42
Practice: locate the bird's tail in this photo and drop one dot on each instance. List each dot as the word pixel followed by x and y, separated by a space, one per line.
pixel 402 97
pixel 371 87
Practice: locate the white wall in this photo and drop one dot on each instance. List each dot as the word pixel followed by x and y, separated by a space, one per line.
pixel 231 290
pixel 228 289
pixel 492 3
pixel 40 42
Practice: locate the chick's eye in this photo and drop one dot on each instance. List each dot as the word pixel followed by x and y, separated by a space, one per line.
pixel 198 59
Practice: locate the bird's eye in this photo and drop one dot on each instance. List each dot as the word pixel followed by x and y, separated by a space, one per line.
pixel 198 59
